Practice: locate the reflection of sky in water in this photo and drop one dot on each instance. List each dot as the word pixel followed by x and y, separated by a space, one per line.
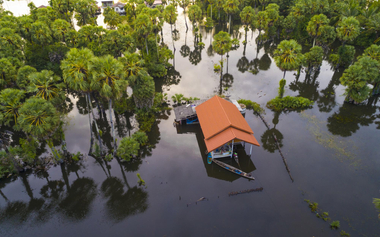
pixel 176 174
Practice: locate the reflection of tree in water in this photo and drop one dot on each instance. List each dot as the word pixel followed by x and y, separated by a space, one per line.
pixel 264 62
pixel 243 64
pixel 267 139
pixel 185 50
pixel 76 204
pixel 173 77
pixel 210 51
pixel 326 101
pixel 260 64
pixel 19 211
pixel 268 142
pixel 308 88
pixel 195 56
pixel 346 121
pixel 122 204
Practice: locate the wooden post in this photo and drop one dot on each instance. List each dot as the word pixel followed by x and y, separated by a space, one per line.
pixel 232 149
pixel 250 151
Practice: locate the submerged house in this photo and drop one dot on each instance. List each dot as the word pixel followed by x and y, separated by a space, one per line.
pixel 223 127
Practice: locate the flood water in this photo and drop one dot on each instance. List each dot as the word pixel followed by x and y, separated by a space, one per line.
pixel 331 150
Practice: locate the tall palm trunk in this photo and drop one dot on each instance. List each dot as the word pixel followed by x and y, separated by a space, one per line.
pixel 229 25
pixel 284 74
pixel 96 125
pixel 112 127
pixel 89 122
pixel 146 46
pixel 184 14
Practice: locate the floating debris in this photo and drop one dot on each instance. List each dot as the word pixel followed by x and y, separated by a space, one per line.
pixel 199 200
pixel 246 191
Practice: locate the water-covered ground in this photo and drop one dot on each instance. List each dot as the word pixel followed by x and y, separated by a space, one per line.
pixel 331 151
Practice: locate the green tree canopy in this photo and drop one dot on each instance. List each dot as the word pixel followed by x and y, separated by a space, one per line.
pixel 222 43
pixel 288 55
pixel 10 103
pixel 348 29
pixel 38 117
pixel 85 12
pixel 76 69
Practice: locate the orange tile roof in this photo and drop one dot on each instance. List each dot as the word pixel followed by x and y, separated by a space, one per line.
pixel 221 122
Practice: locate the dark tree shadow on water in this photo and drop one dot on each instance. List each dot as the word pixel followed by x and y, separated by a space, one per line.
pixel 349 118
pixel 121 203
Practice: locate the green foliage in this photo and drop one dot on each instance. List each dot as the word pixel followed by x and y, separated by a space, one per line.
pixel 10 103
pixel 77 156
pixel 335 225
pixel 29 149
pixel 85 12
pixel 348 29
pixel 357 76
pixel 143 90
pixel 108 157
pixel 195 14
pixel 6 164
pixel 145 118
pixel 23 73
pixel 111 17
pixel 128 148
pixel 45 85
pixel 217 68
pixel 38 117
pixel 140 137
pixel 376 202
pixel 177 98
pixel 141 181
pixel 251 105
pixel 289 102
pixel 76 69
pixel 313 58
pixel 344 233
pixel 170 14
pixel 222 43
pixel 288 55
pixel 281 89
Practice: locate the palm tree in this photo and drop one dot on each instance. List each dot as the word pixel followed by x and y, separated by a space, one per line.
pixel 222 44
pixel 10 103
pixel 183 4
pixel 247 16
pixel 143 27
pixel 230 7
pixel 288 55
pixel 170 16
pixel 132 64
pixel 348 29
pixel 109 78
pixel 313 27
pixel 76 74
pixel 40 119
pixel 45 84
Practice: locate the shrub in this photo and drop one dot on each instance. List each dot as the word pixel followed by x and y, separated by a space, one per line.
pixel 289 102
pixel 335 225
pixel 251 105
pixel 128 148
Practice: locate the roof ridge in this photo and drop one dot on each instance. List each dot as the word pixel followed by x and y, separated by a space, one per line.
pixel 228 118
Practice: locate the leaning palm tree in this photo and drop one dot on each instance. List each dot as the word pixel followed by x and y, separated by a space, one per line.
pixel 288 55
pixel 109 78
pixel 76 73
